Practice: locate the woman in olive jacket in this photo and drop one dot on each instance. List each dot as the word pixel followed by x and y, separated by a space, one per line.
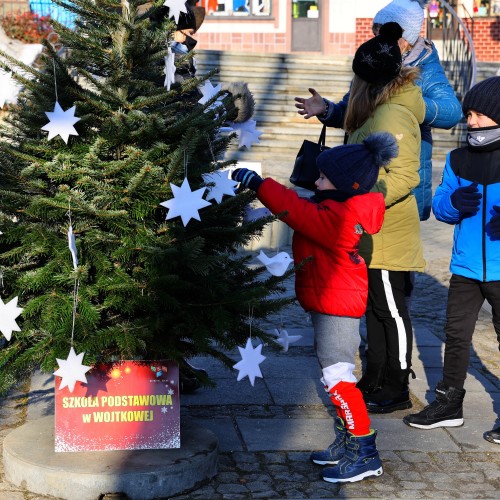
pixel 384 97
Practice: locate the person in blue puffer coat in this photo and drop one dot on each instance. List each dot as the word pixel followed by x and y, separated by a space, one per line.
pixel 443 109
pixel 469 198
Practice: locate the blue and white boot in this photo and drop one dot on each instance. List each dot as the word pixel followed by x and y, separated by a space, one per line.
pixel 360 460
pixel 336 450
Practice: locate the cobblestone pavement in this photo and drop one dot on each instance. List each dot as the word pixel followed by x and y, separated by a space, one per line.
pixel 471 472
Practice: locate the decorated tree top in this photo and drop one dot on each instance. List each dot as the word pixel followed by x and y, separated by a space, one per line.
pixel 99 146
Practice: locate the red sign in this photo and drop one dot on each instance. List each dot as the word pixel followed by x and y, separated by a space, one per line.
pixel 128 405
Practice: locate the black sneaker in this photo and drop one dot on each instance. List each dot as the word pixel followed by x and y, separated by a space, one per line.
pixel 446 411
pixel 493 436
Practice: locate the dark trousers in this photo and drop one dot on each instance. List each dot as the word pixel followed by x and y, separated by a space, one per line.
pixel 465 298
pixel 388 325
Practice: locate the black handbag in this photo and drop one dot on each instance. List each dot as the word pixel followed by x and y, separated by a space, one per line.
pixel 305 172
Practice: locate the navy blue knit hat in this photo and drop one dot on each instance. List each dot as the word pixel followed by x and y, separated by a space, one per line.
pixel 483 98
pixel 353 168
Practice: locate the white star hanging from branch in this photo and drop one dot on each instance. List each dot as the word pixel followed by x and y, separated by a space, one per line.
pixel 72 248
pixel 222 184
pixel 71 370
pixel 209 92
pixel 185 203
pixel 8 314
pixel 169 69
pixel 175 7
pixel 61 123
pixel 284 339
pixel 247 133
pixel 250 360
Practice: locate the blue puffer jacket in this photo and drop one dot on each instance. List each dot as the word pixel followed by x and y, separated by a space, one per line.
pixel 475 254
pixel 442 110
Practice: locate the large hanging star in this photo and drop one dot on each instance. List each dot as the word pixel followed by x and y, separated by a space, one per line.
pixel 61 123
pixel 250 360
pixel 222 184
pixel 175 7
pixel 247 133
pixel 185 203
pixel 169 69
pixel 8 313
pixel 71 370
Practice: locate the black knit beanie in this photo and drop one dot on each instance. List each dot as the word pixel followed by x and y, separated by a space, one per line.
pixel 379 59
pixel 484 98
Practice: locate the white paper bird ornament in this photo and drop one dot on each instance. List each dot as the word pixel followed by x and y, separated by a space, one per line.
pixel 276 265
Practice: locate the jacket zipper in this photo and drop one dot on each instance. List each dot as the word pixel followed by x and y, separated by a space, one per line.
pixel 483 235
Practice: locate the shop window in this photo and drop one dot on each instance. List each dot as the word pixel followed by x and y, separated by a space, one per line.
pixel 305 8
pixel 481 8
pixel 237 7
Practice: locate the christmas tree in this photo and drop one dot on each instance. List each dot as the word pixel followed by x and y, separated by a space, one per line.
pixel 120 144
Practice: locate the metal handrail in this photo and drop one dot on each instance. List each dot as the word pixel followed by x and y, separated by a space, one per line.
pixel 458 56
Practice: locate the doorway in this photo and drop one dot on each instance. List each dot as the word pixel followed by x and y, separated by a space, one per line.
pixel 306 25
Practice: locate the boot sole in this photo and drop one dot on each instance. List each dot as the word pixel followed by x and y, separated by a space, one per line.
pixel 444 423
pixel 359 477
pixel 389 409
pixel 325 462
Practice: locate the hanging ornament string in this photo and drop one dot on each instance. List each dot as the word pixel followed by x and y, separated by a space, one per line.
pixel 55 79
pixel 211 148
pixel 250 319
pixel 185 163
pixel 76 287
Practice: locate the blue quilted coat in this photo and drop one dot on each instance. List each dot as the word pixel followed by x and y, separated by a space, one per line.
pixel 442 110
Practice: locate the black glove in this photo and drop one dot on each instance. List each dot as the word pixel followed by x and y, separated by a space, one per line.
pixel 466 199
pixel 495 223
pixel 247 178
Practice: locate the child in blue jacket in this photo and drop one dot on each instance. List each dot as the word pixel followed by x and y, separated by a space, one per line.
pixel 469 197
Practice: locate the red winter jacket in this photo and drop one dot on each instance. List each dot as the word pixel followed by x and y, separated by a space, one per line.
pixel 335 281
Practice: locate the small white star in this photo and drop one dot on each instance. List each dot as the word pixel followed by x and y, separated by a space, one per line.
pixel 185 203
pixel 170 392
pixel 71 370
pixel 284 339
pixel 385 48
pixel 247 133
pixel 250 360
pixel 169 69
pixel 175 7
pixel 223 184
pixel 164 409
pixel 8 313
pixel 368 59
pixel 61 123
pixel 209 92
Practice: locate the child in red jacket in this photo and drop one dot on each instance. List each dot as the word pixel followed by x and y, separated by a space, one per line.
pixel 333 286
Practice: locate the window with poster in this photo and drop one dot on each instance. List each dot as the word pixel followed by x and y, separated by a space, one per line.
pixel 245 8
pixel 482 8
pixel 495 8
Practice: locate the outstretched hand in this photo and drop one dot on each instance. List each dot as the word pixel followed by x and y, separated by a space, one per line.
pixel 247 178
pixel 312 106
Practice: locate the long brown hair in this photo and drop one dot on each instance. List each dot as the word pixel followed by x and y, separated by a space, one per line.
pixel 364 97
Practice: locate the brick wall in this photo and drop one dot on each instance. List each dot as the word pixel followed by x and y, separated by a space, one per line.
pixel 247 42
pixel 486 38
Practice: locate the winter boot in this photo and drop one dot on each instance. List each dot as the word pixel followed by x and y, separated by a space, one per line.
pixel 372 379
pixel 395 395
pixel 445 411
pixel 493 436
pixel 189 377
pixel 336 450
pixel 360 460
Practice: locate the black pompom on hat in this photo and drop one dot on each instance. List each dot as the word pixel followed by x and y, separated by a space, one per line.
pixel 379 60
pixel 484 98
pixel 354 168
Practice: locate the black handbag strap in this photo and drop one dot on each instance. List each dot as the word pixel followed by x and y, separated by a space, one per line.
pixel 322 137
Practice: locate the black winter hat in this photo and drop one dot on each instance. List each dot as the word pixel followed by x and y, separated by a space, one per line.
pixel 484 98
pixel 353 168
pixel 379 59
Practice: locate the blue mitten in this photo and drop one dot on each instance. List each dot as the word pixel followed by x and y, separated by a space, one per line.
pixel 495 223
pixel 466 199
pixel 247 178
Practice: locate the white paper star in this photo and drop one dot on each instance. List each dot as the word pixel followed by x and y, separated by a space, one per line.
pixel 284 339
pixel 169 69
pixel 250 360
pixel 247 133
pixel 276 265
pixel 164 409
pixel 185 203
pixel 61 123
pixel 71 370
pixel 8 313
pixel 175 7
pixel 72 248
pixel 223 184
pixel 209 92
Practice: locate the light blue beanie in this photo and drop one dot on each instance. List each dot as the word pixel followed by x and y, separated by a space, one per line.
pixel 409 14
